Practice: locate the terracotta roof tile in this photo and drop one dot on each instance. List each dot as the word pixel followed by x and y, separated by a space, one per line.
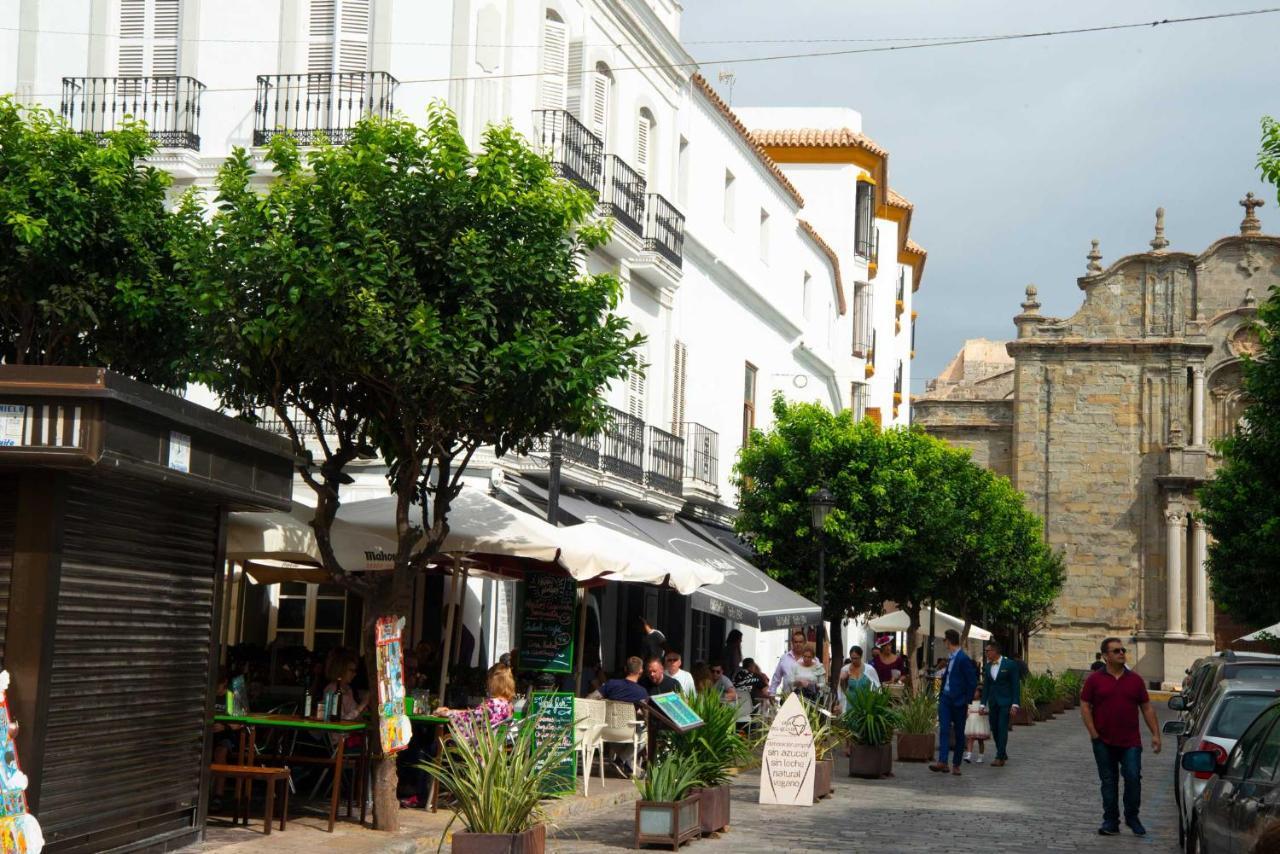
pixel 817 138
pixel 898 201
pixel 916 248
pixel 701 83
pixel 831 256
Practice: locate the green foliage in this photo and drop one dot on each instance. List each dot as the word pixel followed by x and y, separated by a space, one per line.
pixel 917 713
pixel 1042 688
pixel 871 718
pixel 87 276
pixel 825 728
pixel 1069 685
pixel 498 786
pixel 716 744
pixel 670 778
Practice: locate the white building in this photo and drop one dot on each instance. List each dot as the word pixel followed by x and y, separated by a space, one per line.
pixel 749 260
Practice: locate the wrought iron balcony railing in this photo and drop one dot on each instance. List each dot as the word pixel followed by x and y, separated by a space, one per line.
pixel 311 107
pixel 622 196
pixel 622 446
pixel 664 229
pixel 576 152
pixel 169 106
pixel 666 462
pixel 582 450
pixel 701 453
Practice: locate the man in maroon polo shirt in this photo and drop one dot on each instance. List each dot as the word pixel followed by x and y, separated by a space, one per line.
pixel 1109 703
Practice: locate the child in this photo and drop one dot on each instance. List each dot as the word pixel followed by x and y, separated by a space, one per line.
pixel 976 729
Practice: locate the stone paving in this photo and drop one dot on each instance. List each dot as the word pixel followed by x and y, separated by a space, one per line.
pixel 1045 799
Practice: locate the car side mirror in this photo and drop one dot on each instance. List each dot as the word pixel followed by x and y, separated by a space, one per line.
pixel 1174 728
pixel 1200 761
pixel 1178 703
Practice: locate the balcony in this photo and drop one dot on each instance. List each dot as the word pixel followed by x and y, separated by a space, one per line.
pixel 170 106
pixel 312 107
pixel 622 195
pixel 575 449
pixel 701 455
pixel 576 153
pixel 664 229
pixel 666 462
pixel 622 446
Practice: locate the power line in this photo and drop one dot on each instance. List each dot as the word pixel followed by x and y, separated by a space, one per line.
pixel 971 40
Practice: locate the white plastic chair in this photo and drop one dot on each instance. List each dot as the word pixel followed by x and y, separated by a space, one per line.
pixel 745 707
pixel 622 726
pixel 589 717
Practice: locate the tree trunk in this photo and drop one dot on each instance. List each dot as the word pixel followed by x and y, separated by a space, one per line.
pixel 391 597
pixel 837 653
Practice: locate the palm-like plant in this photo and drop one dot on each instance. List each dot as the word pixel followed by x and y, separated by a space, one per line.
pixel 871 718
pixel 917 713
pixel 670 778
pixel 826 735
pixel 716 744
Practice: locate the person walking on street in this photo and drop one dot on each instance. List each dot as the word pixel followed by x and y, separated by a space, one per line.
pixel 1001 693
pixel 959 682
pixel 786 669
pixel 1110 702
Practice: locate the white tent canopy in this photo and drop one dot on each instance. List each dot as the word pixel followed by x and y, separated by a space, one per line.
pixel 898 621
pixel 1273 631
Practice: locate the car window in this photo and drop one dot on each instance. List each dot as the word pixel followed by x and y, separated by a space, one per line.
pixel 1200 711
pixel 1264 767
pixel 1235 712
pixel 1252 672
pixel 1247 747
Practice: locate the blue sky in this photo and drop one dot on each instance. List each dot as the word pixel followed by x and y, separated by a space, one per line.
pixel 1016 154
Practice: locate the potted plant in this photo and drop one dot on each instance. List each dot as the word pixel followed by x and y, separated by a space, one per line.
pixel 825 740
pixel 869 724
pixel 917 727
pixel 718 749
pixel 1043 688
pixel 1071 682
pixel 1025 715
pixel 498 780
pixel 668 812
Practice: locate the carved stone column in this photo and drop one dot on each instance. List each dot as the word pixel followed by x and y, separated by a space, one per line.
pixel 1199 579
pixel 1174 580
pixel 1197 406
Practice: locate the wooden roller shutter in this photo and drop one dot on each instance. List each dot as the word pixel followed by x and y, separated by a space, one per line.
pixel 125 736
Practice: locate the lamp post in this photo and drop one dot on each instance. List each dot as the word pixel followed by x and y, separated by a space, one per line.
pixel 820 504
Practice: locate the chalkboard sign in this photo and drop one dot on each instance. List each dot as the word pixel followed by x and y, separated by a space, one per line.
pixel 547 627
pixel 676 711
pixel 552 712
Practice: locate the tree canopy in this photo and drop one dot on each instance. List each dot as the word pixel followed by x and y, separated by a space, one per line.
pixel 86 272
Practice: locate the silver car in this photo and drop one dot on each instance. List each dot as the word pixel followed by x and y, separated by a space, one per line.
pixel 1214 725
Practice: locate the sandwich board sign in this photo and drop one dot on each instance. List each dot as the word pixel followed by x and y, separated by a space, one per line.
pixel 787 774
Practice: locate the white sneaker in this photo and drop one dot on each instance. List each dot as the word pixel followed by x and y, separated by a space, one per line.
pixel 978 759
pixel 967 757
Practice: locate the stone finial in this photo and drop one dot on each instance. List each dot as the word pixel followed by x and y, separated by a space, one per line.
pixel 1095 259
pixel 1249 301
pixel 1031 305
pixel 1159 243
pixel 1250 224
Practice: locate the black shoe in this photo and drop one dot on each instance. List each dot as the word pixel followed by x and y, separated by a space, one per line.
pixel 1109 828
pixel 1136 827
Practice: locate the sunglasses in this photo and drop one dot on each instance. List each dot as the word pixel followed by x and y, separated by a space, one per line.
pixel 672 660
pixel 1118 649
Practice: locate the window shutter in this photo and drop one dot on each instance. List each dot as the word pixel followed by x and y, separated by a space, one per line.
pixel 598 92
pixel 642 146
pixel 573 94
pixel 320 29
pixel 679 363
pixel 148 38
pixel 636 394
pixel 554 82
pixel 353 37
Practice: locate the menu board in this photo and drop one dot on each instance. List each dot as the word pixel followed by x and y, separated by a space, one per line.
pixel 787 772
pixel 393 725
pixel 676 711
pixel 552 712
pixel 547 625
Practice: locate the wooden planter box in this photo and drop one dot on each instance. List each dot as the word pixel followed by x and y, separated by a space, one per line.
pixel 871 761
pixel 824 772
pixel 916 747
pixel 1044 711
pixel 532 841
pixel 1058 706
pixel 1023 717
pixel 713 807
pixel 666 823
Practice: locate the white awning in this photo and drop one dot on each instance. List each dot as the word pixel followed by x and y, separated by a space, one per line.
pixel 1273 631
pixel 898 621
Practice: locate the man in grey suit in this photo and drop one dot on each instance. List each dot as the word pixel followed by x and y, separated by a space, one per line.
pixel 1001 694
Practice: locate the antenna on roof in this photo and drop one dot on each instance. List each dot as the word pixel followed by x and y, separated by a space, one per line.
pixel 727 77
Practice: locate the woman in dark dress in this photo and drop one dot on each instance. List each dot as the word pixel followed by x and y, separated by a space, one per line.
pixel 889 665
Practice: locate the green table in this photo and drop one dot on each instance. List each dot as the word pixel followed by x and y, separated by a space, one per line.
pixel 250 722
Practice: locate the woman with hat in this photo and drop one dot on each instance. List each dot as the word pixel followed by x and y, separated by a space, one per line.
pixel 889 665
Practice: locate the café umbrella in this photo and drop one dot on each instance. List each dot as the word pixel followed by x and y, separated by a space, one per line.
pixel 898 621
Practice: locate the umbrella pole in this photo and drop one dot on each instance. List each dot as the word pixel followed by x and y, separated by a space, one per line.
pixel 448 629
pixel 582 640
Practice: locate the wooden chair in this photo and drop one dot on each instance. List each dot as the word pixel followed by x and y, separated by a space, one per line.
pixel 247 774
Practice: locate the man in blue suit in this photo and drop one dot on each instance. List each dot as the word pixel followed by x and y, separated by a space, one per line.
pixel 959 683
pixel 1001 694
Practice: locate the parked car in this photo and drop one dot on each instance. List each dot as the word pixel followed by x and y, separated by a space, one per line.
pixel 1207 672
pixel 1239 810
pixel 1214 725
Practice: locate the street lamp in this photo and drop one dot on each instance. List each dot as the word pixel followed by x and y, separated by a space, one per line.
pixel 820 504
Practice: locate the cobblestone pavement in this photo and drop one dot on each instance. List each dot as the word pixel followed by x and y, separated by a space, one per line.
pixel 1045 799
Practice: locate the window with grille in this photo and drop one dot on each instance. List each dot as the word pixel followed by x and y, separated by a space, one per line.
pixel 553 83
pixel 862 322
pixel 864 221
pixel 748 401
pixel 858 400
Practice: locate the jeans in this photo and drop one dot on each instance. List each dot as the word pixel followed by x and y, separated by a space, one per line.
pixel 951 720
pixel 1127 761
pixel 1000 717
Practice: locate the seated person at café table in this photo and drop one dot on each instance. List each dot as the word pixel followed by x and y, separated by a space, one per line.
pixel 723 685
pixel 751 679
pixel 497 707
pixel 341 672
pixel 658 682
pixel 628 688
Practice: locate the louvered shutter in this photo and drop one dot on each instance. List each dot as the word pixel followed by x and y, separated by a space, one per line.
pixel 353 36
pixel 636 388
pixel 573 95
pixel 679 362
pixel 597 118
pixel 554 82
pixel 148 38
pixel 643 127
pixel 321 26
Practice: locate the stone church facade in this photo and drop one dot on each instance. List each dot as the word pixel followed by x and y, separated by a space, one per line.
pixel 1106 421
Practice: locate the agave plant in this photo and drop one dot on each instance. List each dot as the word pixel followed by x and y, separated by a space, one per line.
pixel 1070 684
pixel 498 781
pixel 670 778
pixel 917 713
pixel 716 744
pixel 871 718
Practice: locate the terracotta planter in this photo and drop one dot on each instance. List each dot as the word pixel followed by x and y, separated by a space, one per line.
pixel 871 761
pixel 532 841
pixel 916 747
pixel 824 771
pixel 1023 717
pixel 1058 706
pixel 667 823
pixel 1043 711
pixel 714 807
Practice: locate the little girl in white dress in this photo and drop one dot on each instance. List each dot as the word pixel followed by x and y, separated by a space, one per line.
pixel 976 729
